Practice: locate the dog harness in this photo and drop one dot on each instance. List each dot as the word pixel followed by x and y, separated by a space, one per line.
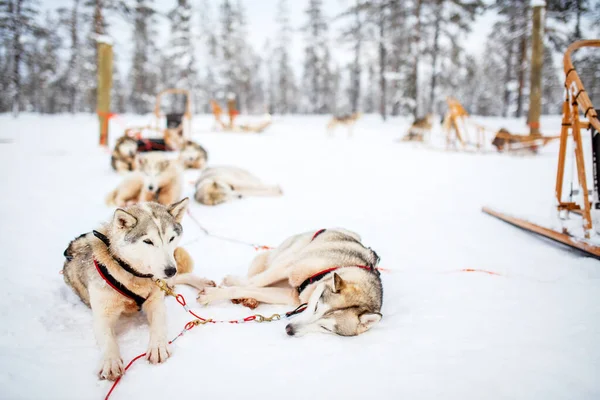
pixel 111 281
pixel 152 145
pixel 320 275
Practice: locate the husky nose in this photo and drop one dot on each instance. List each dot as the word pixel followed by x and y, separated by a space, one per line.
pixel 289 329
pixel 150 188
pixel 170 271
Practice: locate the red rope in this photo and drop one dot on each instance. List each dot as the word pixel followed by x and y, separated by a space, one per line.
pixel 188 327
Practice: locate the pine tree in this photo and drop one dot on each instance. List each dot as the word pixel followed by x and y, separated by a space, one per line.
pixel 316 68
pixel 143 76
pixel 284 72
pixel 17 17
pixel 181 49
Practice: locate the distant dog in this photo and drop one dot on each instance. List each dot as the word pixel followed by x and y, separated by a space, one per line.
pixel 193 155
pixel 112 271
pixel 346 120
pixel 123 155
pixel 419 128
pixel 329 270
pixel 217 185
pixel 157 179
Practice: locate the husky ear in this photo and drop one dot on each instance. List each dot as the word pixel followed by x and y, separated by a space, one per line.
pixel 123 220
pixel 338 283
pixel 369 319
pixel 178 209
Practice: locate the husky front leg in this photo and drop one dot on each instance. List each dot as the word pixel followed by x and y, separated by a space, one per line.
pixel 105 318
pixel 155 310
pixel 270 295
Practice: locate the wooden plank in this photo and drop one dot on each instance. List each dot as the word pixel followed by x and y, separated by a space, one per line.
pixel 588 249
pixel 105 61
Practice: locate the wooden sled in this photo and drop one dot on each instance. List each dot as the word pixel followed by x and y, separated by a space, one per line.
pixel 170 137
pixel 232 114
pixel 576 103
pixel 459 133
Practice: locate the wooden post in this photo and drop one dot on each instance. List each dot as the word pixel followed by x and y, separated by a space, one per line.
pixel 105 61
pixel 537 61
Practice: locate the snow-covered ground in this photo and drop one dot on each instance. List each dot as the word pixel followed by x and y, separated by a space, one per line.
pixel 531 333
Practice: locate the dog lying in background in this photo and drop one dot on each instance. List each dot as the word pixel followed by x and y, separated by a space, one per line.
pixel 123 155
pixel 419 128
pixel 330 270
pixel 157 179
pixel 112 271
pixel 217 185
pixel 346 120
pixel 193 155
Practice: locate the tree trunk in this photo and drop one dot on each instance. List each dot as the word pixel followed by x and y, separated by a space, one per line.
pixel 14 11
pixel 522 70
pixel 537 63
pixel 508 72
pixel 356 70
pixel 382 62
pixel 415 49
pixel 436 49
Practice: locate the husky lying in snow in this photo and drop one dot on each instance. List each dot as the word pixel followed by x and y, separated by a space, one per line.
pixel 123 155
pixel 419 128
pixel 112 271
pixel 193 155
pixel 157 179
pixel 217 185
pixel 347 120
pixel 330 270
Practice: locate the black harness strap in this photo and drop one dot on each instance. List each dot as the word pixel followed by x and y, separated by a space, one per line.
pixel 324 273
pixel 118 286
pixel 122 263
pixel 317 234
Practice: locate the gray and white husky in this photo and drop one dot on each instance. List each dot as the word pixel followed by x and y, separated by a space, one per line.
pixel 329 270
pixel 113 269
pixel 217 185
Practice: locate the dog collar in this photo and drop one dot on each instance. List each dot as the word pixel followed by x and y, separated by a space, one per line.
pixel 320 275
pixel 122 263
pixel 317 234
pixel 118 286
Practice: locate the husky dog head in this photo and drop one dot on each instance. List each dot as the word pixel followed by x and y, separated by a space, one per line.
pixel 212 192
pixel 153 166
pixel 193 155
pixel 345 307
pixel 126 147
pixel 145 236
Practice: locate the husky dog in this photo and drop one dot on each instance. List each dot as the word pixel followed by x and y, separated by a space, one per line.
pixel 158 179
pixel 123 155
pixel 330 270
pixel 217 185
pixel 418 129
pixel 193 155
pixel 112 270
pixel 347 120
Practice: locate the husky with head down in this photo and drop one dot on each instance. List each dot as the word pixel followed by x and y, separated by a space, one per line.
pixel 330 271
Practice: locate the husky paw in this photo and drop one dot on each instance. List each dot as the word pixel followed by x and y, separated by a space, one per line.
pixel 233 280
pixel 111 368
pixel 157 353
pixel 206 295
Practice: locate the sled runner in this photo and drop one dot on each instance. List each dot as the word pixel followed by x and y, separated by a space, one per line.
pixel 581 202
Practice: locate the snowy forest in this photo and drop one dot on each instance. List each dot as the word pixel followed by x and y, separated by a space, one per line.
pixel 406 56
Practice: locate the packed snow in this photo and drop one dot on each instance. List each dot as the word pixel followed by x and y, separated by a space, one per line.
pixel 531 332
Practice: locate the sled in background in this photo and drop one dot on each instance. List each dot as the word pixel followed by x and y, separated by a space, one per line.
pixel 463 133
pixel 232 113
pixel 581 202
pixel 167 135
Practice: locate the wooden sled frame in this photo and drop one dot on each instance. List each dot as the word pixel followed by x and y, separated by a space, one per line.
pixel 576 102
pixel 233 113
pixel 456 119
